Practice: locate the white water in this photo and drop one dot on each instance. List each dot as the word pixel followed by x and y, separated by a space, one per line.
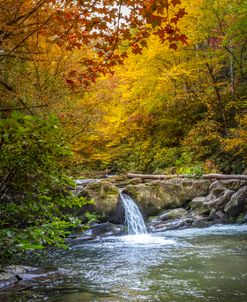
pixel 146 240
pixel 133 216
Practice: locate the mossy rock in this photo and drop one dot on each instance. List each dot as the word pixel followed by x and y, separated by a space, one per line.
pixel 199 205
pixel 105 198
pixel 123 181
pixel 173 214
pixel 155 196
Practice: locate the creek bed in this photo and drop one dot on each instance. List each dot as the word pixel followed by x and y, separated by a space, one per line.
pixel 208 264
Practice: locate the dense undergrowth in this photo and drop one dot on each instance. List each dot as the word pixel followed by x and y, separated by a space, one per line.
pixel 34 195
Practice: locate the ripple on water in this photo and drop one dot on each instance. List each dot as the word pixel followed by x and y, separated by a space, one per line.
pixel 193 265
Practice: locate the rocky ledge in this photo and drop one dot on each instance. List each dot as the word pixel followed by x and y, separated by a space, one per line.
pixel 166 204
pixel 196 203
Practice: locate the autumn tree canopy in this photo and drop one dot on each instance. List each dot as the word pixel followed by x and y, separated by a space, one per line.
pixel 171 109
pixel 107 27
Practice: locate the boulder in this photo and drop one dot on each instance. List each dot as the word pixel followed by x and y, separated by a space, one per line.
pixel 201 223
pixel 218 216
pixel 173 214
pixel 221 192
pixel 105 198
pixel 161 226
pixel 213 215
pixel 237 203
pixel 199 205
pixel 106 229
pixel 152 197
pixel 217 198
pixel 231 184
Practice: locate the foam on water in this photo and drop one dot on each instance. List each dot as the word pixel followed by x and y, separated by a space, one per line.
pixel 146 240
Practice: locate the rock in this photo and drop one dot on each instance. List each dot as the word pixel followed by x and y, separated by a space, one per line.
pixel 216 188
pixel 173 214
pixel 201 222
pixel 106 199
pixel 160 226
pixel 106 229
pixel 135 181
pixel 13 273
pixel 237 203
pixel 221 215
pixel 213 215
pixel 233 184
pixel 188 221
pixel 217 199
pixel 122 181
pixel 81 184
pixel 7 279
pixel 199 205
pixel 86 181
pixel 98 230
pixel 152 197
pixel 19 269
pixel 164 226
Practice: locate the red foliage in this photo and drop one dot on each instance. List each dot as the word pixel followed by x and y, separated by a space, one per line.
pixel 100 25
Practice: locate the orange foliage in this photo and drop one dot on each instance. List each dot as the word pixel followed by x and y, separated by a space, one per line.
pixel 101 25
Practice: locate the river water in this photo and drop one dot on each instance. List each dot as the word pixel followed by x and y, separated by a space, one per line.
pixel 208 264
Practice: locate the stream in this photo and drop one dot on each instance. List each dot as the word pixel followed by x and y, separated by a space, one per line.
pixel 207 264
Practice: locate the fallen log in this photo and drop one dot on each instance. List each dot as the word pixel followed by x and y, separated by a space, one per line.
pixel 225 176
pixel 204 176
pixel 155 176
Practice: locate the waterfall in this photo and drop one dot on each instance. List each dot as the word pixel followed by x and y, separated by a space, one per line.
pixel 133 216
